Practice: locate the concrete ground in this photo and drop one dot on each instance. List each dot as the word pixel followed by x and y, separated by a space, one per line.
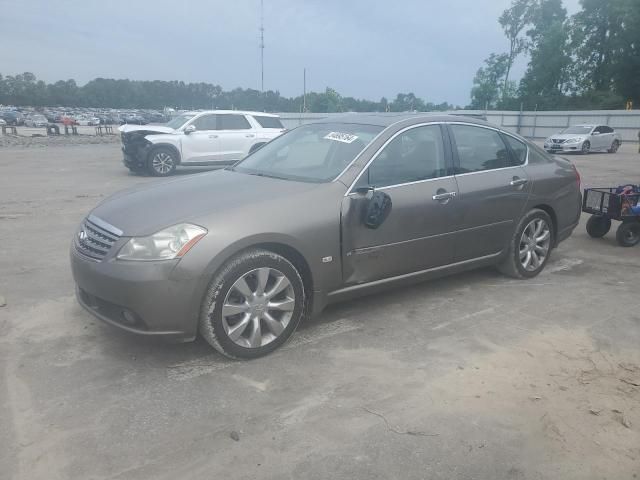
pixel 474 376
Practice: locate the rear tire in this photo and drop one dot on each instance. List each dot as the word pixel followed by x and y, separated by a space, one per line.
pixel 628 234
pixel 614 146
pixel 253 305
pixel 598 226
pixel 529 246
pixel 162 162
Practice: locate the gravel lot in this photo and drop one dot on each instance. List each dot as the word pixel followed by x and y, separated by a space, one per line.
pixel 475 376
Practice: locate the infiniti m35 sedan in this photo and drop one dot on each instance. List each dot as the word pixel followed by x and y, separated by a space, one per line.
pixel 324 212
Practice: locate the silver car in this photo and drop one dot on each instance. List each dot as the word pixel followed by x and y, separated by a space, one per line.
pixel 325 212
pixel 584 139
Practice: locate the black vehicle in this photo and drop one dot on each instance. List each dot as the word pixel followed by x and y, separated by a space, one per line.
pixel 12 117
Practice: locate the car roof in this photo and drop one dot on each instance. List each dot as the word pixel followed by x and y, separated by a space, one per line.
pixel 237 112
pixel 387 119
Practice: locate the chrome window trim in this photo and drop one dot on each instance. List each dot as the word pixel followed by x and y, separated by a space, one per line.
pixel 375 155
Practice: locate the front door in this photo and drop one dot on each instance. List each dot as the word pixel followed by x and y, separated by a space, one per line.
pixel 203 145
pixel 494 188
pixel 414 169
pixel 236 136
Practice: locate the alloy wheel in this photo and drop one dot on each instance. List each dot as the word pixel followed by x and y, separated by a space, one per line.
pixel 534 244
pixel 162 163
pixel 258 307
pixel 586 147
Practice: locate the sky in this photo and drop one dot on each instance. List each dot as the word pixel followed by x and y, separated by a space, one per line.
pixel 366 49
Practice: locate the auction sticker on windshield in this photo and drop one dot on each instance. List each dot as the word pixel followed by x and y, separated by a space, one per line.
pixel 341 137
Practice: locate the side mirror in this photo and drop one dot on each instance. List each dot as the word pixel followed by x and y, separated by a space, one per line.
pixel 378 209
pixel 595 133
pixel 190 129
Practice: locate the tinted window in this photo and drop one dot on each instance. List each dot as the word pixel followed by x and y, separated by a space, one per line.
pixel 417 154
pixel 268 122
pixel 233 122
pixel 479 149
pixel 605 129
pixel 577 130
pixel 205 122
pixel 538 155
pixel 518 150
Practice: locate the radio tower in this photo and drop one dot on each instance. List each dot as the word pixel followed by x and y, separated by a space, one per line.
pixel 262 45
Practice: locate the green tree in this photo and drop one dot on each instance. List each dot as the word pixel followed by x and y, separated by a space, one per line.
pixel 513 21
pixel 546 77
pixel 489 81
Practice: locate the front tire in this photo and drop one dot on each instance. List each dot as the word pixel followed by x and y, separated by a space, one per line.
pixel 530 247
pixel 598 226
pixel 162 162
pixel 253 305
pixel 628 234
pixel 586 148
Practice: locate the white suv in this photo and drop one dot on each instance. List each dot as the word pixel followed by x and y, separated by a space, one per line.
pixel 217 137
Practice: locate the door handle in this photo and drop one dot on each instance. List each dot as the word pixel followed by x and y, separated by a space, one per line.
pixel 249 135
pixel 517 182
pixel 213 136
pixel 444 197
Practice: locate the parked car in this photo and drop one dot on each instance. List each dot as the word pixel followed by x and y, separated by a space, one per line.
pixel 218 137
pixel 584 139
pixel 85 120
pixel 324 212
pixel 12 117
pixel 134 119
pixel 36 120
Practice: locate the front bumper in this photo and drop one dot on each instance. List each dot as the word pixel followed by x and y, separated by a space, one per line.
pixel 139 297
pixel 563 147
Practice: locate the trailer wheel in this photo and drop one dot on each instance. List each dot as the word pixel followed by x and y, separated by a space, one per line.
pixel 598 226
pixel 628 234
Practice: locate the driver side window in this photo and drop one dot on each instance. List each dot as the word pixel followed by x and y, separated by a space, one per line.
pixel 205 122
pixel 414 155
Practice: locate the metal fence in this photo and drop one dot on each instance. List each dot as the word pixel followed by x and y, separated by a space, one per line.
pixel 535 125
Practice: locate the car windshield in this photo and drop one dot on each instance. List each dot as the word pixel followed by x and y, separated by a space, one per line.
pixel 311 153
pixel 577 130
pixel 178 121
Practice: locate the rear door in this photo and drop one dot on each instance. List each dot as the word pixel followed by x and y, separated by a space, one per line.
pixel 494 188
pixel 414 168
pixel 203 145
pixel 236 136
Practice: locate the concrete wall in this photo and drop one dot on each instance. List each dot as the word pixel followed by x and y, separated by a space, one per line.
pixel 535 125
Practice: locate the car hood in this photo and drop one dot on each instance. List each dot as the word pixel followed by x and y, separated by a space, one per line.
pixel 566 136
pixel 148 208
pixel 147 129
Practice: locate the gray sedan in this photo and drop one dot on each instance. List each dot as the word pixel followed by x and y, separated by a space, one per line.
pixel 325 212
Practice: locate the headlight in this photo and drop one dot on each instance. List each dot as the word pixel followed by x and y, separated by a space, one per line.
pixel 167 244
pixel 574 140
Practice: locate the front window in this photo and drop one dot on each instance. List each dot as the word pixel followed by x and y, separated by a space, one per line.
pixel 311 153
pixel 179 121
pixel 577 130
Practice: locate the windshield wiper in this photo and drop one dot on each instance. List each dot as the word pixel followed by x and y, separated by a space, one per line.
pixel 262 174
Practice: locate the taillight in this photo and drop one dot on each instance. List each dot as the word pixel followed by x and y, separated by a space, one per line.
pixel 577 175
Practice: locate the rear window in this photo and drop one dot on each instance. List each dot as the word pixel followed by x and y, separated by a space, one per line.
pixel 269 122
pixel 232 122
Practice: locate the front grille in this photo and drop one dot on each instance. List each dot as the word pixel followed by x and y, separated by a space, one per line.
pixel 555 140
pixel 95 241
